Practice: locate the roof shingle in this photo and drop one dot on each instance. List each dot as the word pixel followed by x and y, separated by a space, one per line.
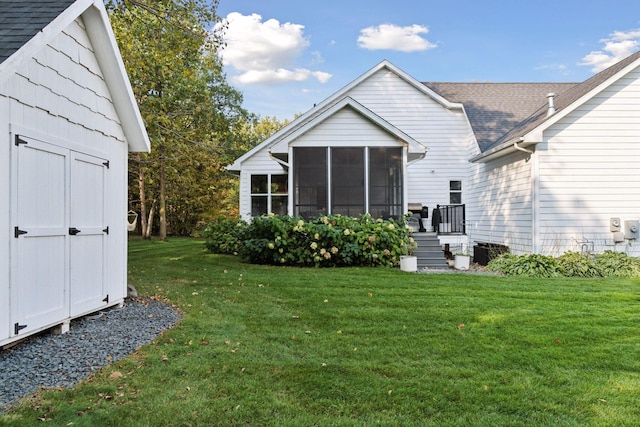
pixel 21 20
pixel 494 109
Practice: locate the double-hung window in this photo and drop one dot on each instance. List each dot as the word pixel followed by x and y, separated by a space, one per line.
pixel 269 194
pixel 455 192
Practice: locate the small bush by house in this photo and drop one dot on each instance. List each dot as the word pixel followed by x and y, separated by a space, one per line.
pixel 570 264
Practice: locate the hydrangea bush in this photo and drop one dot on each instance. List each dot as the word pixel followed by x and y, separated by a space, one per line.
pixel 326 241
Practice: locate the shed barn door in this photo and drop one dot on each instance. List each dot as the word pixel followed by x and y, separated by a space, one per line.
pixel 39 294
pixel 87 233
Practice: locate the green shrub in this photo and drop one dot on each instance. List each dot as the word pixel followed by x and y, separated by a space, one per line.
pixel 225 235
pixel 577 264
pixel 326 241
pixel 533 265
pixel 570 264
pixel 618 264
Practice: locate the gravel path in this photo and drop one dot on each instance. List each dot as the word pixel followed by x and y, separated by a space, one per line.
pixel 50 361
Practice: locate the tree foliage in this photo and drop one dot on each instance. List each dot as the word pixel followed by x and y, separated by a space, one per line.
pixel 188 107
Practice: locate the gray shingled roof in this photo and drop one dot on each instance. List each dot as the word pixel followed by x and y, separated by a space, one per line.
pixel 20 20
pixel 494 109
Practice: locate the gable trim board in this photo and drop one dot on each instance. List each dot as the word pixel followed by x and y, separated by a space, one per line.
pixel 68 121
pixel 507 182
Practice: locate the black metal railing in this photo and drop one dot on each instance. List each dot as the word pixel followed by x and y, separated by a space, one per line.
pixel 449 219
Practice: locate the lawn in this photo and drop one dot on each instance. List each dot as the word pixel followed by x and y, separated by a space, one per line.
pixel 353 347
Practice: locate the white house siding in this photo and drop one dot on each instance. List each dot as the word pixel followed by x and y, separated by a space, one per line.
pixel 60 97
pixel 259 164
pixel 590 171
pixel 445 132
pixel 502 202
pixel 345 128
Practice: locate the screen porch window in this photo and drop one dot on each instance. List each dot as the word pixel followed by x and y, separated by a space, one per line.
pixel 348 181
pixel 269 193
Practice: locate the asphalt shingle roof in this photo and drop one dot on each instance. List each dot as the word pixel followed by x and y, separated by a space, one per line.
pixel 20 20
pixel 494 109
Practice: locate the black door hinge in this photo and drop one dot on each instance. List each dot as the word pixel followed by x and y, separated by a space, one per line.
pixel 17 232
pixel 17 328
pixel 73 231
pixel 19 141
pixel 106 299
pixel 106 230
pixel 106 164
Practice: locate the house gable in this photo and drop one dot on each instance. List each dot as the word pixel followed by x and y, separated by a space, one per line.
pixel 352 127
pixel 530 131
pixel 354 90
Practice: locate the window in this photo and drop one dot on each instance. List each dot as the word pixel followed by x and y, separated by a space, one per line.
pixel 269 194
pixel 455 192
pixel 362 179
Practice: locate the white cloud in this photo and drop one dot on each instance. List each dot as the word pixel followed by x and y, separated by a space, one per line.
pixel 618 46
pixel 393 37
pixel 281 75
pixel 266 52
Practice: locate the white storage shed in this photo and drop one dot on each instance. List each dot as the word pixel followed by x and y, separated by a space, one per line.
pixel 68 118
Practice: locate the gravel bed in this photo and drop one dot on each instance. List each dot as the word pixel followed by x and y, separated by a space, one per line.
pixel 51 361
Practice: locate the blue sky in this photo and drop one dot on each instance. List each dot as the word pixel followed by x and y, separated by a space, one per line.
pixel 287 55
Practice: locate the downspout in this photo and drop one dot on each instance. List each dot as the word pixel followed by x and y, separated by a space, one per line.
pixel 517 147
pixel 422 156
pixel 277 160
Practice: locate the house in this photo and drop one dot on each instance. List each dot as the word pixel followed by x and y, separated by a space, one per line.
pixel 536 167
pixel 67 121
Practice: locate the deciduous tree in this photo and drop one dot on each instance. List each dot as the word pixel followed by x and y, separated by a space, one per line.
pixel 189 109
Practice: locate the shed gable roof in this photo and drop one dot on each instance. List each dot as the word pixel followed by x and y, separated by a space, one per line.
pixel 26 27
pixel 20 21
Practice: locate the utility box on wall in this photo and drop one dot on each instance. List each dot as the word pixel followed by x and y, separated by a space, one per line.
pixel 632 230
pixel 614 224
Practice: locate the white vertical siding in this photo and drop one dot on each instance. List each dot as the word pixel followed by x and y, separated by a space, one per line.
pixel 590 171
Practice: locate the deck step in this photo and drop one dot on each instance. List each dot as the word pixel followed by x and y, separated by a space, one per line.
pixel 429 251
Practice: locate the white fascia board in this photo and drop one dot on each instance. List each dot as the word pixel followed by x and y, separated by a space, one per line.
pixel 108 55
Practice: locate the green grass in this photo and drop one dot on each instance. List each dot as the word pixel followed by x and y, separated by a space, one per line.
pixel 353 347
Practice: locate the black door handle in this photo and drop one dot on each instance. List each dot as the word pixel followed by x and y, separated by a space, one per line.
pixel 73 231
